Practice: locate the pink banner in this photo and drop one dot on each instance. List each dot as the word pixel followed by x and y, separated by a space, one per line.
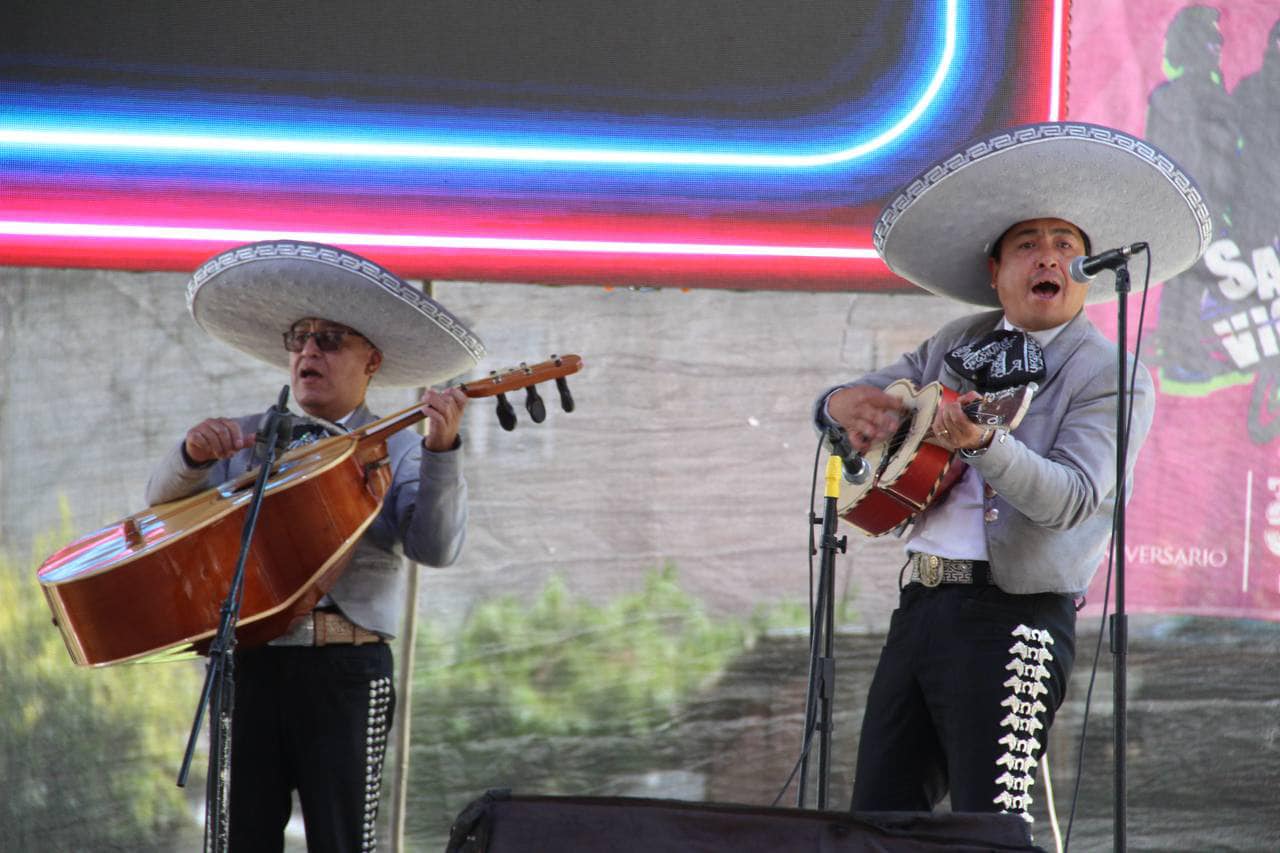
pixel 1202 82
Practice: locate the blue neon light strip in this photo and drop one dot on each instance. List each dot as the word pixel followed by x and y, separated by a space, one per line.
pixel 331 149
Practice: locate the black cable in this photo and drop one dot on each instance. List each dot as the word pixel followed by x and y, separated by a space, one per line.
pixel 1106 595
pixel 813 634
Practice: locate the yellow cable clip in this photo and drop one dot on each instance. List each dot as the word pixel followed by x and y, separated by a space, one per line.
pixel 835 470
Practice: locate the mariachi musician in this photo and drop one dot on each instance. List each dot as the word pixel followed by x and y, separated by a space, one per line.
pixel 313 706
pixel 981 645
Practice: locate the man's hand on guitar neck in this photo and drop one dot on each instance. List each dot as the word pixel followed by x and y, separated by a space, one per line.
pixel 952 428
pixel 444 416
pixel 868 415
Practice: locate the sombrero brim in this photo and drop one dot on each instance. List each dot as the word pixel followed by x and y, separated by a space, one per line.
pixel 249 296
pixel 1116 188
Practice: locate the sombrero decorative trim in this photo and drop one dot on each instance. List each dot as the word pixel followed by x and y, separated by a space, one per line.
pixel 1118 189
pixel 249 296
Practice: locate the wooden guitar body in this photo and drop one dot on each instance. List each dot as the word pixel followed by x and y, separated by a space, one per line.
pixel 179 558
pixel 908 471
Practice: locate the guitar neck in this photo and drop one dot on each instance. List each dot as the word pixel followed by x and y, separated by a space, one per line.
pixel 496 383
pixel 380 429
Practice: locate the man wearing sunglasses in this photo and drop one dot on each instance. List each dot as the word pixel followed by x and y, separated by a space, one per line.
pixel 313 707
pixel 330 367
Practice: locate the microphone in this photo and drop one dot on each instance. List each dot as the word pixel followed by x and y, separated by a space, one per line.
pixel 277 424
pixel 1085 270
pixel 856 469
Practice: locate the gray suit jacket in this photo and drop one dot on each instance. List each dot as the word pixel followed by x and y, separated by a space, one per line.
pixel 1055 475
pixel 423 517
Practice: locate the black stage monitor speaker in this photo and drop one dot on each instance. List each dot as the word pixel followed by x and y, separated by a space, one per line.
pixel 501 823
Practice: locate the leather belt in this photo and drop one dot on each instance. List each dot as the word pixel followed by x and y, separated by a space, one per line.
pixel 326 628
pixel 932 570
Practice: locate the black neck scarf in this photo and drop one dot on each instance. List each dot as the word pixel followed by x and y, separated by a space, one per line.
pixel 307 430
pixel 998 360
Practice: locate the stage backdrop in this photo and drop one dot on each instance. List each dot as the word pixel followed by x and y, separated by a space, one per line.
pixel 731 143
pixel 1203 83
pixel 628 616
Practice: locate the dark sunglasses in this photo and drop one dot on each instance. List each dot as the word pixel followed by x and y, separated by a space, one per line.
pixel 328 340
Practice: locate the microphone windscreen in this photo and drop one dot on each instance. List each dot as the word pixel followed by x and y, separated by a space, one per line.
pixel 1076 270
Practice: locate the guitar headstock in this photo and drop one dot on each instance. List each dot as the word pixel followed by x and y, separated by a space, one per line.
pixel 1002 409
pixel 526 376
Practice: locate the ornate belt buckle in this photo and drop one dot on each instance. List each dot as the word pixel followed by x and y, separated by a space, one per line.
pixel 931 570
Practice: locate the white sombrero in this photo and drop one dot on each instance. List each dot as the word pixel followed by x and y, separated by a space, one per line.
pixel 249 296
pixel 1116 188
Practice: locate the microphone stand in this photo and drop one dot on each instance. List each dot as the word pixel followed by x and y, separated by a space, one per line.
pixel 822 668
pixel 1119 619
pixel 219 683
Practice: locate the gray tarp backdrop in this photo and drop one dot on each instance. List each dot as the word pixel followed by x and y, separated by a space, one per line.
pixel 628 616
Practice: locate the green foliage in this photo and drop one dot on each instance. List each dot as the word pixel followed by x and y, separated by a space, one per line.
pixel 554 694
pixel 564 666
pixel 792 616
pixel 88 757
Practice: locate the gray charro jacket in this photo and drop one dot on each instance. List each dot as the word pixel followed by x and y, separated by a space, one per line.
pixel 423 516
pixel 1055 475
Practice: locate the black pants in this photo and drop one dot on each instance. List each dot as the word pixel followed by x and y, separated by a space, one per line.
pixel 315 720
pixel 967 685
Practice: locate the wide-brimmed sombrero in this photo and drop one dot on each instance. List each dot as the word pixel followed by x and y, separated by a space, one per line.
pixel 249 296
pixel 1116 188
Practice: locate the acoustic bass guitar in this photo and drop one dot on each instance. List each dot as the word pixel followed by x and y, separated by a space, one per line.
pixel 152 585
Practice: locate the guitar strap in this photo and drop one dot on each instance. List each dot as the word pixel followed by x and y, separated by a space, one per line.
pixel 1000 359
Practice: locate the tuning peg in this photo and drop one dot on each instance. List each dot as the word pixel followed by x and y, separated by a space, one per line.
pixel 506 414
pixel 533 403
pixel 566 399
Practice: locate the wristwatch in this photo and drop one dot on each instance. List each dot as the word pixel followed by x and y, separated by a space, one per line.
pixel 974 453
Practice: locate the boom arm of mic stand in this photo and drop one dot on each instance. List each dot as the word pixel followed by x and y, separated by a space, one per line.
pixel 821 689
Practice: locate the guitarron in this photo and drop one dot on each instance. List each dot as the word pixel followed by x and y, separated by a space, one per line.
pixel 152 585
